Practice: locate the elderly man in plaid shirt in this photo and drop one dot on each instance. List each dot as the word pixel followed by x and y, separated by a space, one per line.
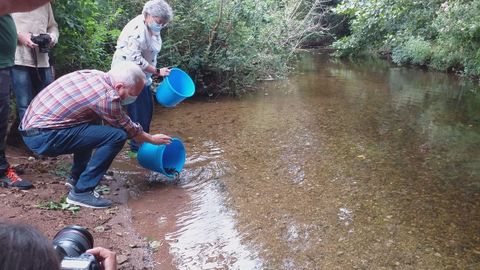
pixel 64 117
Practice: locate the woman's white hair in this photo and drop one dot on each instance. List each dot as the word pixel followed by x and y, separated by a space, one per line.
pixel 128 73
pixel 158 8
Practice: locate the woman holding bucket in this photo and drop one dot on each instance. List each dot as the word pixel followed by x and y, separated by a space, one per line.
pixel 140 42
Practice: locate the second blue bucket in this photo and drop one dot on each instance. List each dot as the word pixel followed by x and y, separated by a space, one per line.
pixel 166 159
pixel 174 88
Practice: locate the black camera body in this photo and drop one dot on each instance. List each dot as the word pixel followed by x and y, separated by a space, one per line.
pixel 43 42
pixel 71 243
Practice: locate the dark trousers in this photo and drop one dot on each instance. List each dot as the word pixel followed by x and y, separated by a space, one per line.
pixel 27 83
pixel 5 81
pixel 141 112
pixel 81 141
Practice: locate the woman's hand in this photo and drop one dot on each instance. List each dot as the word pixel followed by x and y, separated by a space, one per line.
pixel 24 39
pixel 163 72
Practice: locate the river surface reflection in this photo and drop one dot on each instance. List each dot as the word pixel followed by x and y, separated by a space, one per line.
pixel 344 165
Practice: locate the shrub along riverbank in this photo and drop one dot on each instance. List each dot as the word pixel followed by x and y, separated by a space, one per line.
pixel 227 45
pixel 224 45
pixel 440 34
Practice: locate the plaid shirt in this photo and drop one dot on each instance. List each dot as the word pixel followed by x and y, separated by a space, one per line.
pixel 84 96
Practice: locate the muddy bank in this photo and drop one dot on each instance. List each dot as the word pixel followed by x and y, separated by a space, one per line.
pixel 111 228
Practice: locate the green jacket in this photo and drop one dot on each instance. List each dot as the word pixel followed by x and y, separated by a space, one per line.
pixel 8 41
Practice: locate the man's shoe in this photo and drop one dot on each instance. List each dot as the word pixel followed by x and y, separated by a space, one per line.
pixel 71 183
pixel 87 199
pixel 12 180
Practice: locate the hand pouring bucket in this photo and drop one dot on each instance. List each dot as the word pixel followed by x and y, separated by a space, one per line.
pixel 174 88
pixel 166 159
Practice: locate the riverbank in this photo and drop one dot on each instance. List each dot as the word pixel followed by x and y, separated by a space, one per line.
pixel 111 228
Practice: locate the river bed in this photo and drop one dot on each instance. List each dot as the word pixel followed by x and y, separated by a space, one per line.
pixel 344 165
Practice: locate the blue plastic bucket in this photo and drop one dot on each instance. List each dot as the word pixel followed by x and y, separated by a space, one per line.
pixel 166 159
pixel 174 88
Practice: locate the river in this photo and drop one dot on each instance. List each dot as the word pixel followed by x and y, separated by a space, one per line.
pixel 343 165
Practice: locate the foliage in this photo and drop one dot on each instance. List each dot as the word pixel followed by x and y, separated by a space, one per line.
pixel 224 45
pixel 415 50
pixel 227 45
pixel 458 23
pixel 440 34
pixel 83 40
pixel 60 205
pixel 62 169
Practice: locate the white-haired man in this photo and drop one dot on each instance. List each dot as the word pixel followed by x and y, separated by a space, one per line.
pixel 64 117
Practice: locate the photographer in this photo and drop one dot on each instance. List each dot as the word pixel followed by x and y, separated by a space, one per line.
pixel 37 33
pixel 25 248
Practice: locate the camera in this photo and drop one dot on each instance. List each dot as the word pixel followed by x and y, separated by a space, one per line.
pixel 71 243
pixel 43 42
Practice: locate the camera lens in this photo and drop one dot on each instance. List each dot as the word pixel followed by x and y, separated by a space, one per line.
pixel 72 241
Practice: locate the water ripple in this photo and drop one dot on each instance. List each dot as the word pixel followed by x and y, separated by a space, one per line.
pixel 207 237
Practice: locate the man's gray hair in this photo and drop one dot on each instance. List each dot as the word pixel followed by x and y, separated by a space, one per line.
pixel 128 73
pixel 158 8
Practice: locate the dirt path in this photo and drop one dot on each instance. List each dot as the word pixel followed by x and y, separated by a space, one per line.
pixel 111 228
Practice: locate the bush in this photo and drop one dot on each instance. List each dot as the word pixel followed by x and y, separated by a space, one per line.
pixel 416 51
pixel 444 35
pixel 224 45
pixel 86 36
pixel 445 58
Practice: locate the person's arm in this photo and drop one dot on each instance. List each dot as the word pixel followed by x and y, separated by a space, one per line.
pixel 116 117
pixel 153 138
pixel 106 258
pixel 52 28
pixel 130 47
pixel 112 112
pixel 131 50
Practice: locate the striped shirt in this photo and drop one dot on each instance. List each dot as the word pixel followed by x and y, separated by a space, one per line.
pixel 84 96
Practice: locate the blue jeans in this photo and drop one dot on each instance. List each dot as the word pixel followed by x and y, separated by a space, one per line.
pixel 4 110
pixel 80 141
pixel 141 112
pixel 27 83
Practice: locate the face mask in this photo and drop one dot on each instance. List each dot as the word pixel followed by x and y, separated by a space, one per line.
pixel 155 27
pixel 128 100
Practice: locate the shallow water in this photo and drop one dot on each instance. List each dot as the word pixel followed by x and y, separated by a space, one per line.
pixel 344 165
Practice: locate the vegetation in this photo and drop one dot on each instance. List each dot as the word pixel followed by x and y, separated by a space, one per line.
pixel 60 205
pixel 441 34
pixel 224 45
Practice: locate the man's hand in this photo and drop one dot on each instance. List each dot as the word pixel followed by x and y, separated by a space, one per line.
pixel 155 138
pixel 24 39
pixel 161 139
pixel 107 258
